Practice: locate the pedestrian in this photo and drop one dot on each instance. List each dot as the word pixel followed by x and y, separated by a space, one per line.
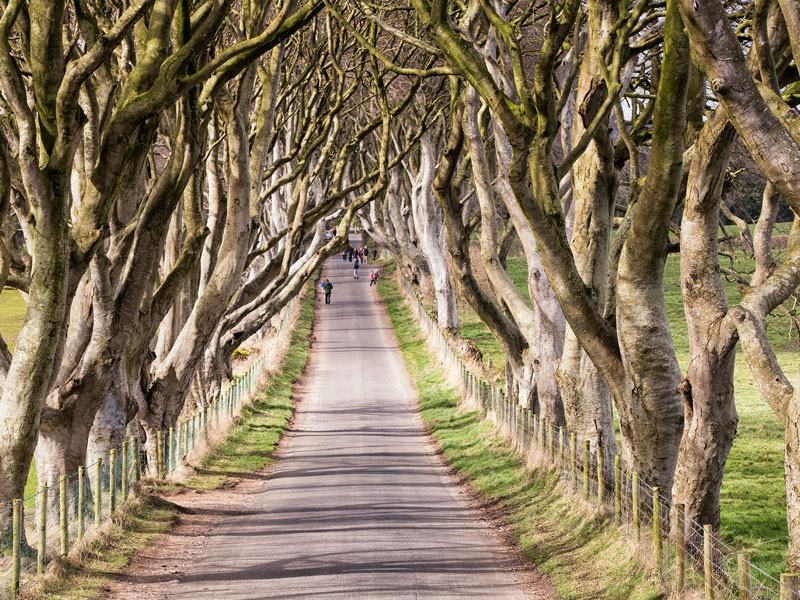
pixel 355 268
pixel 374 254
pixel 344 255
pixel 327 287
pixel 351 252
pixel 371 278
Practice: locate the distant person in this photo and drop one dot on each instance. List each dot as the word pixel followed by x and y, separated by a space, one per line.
pixel 344 255
pixel 351 252
pixel 355 268
pixel 374 254
pixel 327 287
pixel 373 278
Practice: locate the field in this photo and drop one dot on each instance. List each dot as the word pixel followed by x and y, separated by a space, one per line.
pixel 753 497
pixel 12 313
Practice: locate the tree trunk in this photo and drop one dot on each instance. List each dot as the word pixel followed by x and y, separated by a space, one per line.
pixel 428 225
pixel 587 403
pixel 651 416
pixel 710 417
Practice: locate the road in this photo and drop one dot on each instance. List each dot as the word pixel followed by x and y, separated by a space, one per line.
pixel 359 505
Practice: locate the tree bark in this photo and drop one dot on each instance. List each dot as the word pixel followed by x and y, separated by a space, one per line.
pixel 587 403
pixel 428 225
pixel 710 417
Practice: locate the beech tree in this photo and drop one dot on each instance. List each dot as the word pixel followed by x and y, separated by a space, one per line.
pixel 750 102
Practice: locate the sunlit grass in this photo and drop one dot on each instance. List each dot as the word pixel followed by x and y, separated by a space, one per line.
pixel 12 313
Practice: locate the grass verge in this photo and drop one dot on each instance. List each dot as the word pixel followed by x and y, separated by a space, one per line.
pixel 583 553
pixel 250 446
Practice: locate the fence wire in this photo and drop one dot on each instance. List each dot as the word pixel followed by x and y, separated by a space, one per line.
pixel 697 561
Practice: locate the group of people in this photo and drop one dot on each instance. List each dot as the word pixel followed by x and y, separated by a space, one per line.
pixel 361 255
pixel 356 257
pixel 373 275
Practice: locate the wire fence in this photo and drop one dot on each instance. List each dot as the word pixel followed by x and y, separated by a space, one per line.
pixel 687 558
pixel 48 524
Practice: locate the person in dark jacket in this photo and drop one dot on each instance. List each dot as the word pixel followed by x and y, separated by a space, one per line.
pixel 374 254
pixel 350 254
pixel 327 287
pixel 355 268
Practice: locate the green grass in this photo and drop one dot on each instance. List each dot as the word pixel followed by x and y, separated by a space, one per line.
pixel 581 552
pixel 249 447
pixel 753 496
pixel 12 313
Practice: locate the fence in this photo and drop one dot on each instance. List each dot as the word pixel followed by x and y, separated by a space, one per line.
pixel 687 558
pixel 49 523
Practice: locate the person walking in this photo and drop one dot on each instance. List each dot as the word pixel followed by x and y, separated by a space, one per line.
pixel 327 287
pixel 355 268
pixel 374 254
pixel 344 256
pixel 350 253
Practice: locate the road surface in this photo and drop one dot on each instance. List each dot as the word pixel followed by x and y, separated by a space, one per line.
pixel 359 506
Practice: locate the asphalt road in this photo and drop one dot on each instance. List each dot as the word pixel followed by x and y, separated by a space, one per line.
pixel 358 506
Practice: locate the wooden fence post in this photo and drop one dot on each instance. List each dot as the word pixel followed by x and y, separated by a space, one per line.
pixel 657 556
pixel 680 547
pixel 160 453
pixel 112 475
pixel 137 468
pixel 586 482
pixel 743 576
pixel 172 448
pixel 573 450
pixel 124 487
pixel 708 563
pixel 617 490
pixel 16 544
pixel 62 511
pixel 790 586
pixel 97 490
pixel 81 500
pixel 543 425
pixel 600 476
pixel 41 529
pixel 635 506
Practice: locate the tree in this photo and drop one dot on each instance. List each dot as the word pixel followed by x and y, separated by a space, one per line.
pixel 750 100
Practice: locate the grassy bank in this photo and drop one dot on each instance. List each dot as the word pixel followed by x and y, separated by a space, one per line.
pixel 582 553
pixel 250 446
